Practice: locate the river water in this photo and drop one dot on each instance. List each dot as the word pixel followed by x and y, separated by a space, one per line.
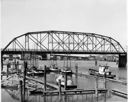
pixel 83 83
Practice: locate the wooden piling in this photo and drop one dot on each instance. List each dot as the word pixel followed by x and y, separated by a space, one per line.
pixel 65 84
pixel 25 71
pixel 60 90
pixel 1 64
pixel 17 64
pixel 8 66
pixel 96 88
pixel 45 78
pixel 76 67
pixel 21 92
pixel 45 82
pixel 95 62
pixel 1 61
pixel 105 87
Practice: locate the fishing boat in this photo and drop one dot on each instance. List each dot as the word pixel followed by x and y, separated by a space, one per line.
pixel 37 72
pixel 54 68
pixel 69 85
pixel 3 73
pixel 103 72
pixel 9 85
pixel 66 70
pixel 36 91
pixel 14 87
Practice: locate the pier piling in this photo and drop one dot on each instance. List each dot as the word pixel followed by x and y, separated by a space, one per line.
pixel 65 84
pixel 59 90
pixel 96 88
pixel 21 92
pixel 25 69
pixel 76 67
pixel 8 66
pixel 45 78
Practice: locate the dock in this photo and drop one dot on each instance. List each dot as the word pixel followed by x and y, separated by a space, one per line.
pixel 53 86
pixel 113 80
pixel 119 93
pixel 69 92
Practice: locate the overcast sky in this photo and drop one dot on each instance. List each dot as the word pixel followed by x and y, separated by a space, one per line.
pixel 105 17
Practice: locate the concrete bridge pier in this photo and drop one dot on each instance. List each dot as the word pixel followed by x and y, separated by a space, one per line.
pixel 122 60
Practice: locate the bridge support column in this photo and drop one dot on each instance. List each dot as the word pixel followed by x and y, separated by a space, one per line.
pixel 122 60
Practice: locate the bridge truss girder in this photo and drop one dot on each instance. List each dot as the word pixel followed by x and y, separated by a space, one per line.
pixel 62 41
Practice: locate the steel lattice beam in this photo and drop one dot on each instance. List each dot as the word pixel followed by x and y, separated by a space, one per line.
pixel 63 42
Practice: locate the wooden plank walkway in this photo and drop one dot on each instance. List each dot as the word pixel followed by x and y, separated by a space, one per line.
pixel 119 93
pixel 68 92
pixel 40 81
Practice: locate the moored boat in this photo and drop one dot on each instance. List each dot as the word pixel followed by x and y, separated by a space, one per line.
pixel 103 72
pixel 66 70
pixel 69 85
pixel 54 68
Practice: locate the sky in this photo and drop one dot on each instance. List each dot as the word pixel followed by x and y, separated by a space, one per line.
pixel 105 17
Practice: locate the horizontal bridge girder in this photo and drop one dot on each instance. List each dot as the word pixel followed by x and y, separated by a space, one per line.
pixel 56 52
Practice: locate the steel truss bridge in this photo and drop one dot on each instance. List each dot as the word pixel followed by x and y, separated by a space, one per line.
pixel 64 42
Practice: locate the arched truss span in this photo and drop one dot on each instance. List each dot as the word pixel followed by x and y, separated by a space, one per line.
pixel 64 42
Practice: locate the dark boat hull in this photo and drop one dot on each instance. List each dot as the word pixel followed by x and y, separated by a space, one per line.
pixel 95 72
